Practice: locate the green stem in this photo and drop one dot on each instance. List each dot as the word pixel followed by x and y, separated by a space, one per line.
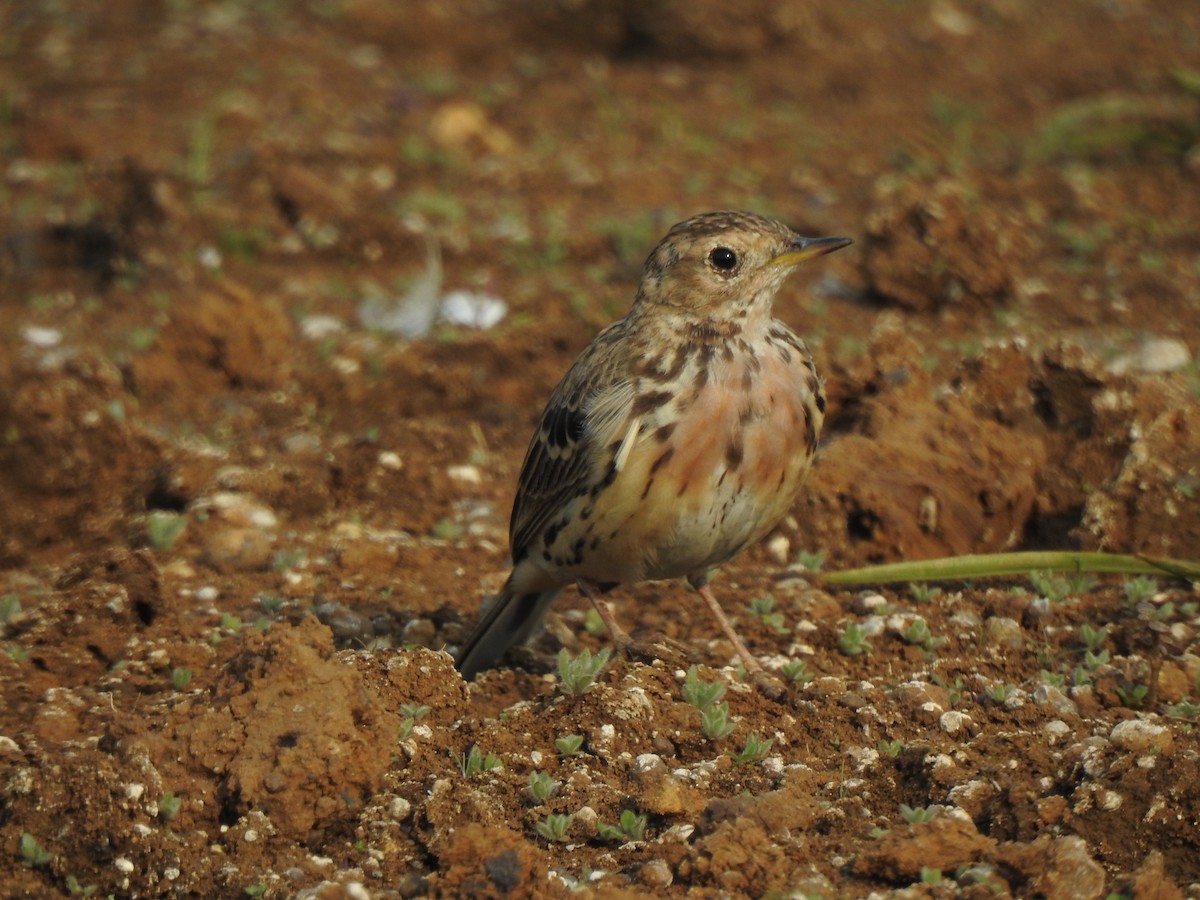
pixel 993 565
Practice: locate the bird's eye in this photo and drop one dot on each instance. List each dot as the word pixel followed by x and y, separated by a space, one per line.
pixel 724 259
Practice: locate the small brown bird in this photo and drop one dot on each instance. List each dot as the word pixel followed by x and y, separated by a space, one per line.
pixel 678 437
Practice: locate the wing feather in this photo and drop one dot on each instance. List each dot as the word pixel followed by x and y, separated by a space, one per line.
pixel 588 411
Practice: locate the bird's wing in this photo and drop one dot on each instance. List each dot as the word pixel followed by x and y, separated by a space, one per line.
pixel 587 414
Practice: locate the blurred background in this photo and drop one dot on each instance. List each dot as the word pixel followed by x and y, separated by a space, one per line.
pixel 294 236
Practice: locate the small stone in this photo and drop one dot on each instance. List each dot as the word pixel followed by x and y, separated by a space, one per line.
pixel 38 336
pixel 1141 736
pixel 243 510
pixel 468 475
pixel 779 549
pixel 1001 631
pixel 647 763
pixel 345 623
pixel 1153 355
pixel 317 328
pixel 390 460
pixel 868 602
pixel 656 873
pixel 1046 695
pixel 1056 729
pixel 399 809
pixel 952 722
pixel 123 865
pixel 239 550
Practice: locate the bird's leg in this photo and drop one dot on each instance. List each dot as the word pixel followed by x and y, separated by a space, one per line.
pixel 753 666
pixel 767 683
pixel 620 638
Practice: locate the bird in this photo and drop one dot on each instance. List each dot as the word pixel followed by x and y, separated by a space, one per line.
pixel 679 436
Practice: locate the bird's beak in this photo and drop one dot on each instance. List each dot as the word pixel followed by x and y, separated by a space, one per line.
pixel 804 248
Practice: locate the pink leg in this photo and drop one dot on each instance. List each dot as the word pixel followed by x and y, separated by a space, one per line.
pixel 620 638
pixel 753 666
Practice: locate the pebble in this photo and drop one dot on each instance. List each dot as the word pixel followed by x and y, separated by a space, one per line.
pixel 1056 729
pixel 1153 355
pixel 779 549
pixel 952 722
pixel 399 809
pixel 1001 631
pixel 867 603
pixel 656 873
pixel 1140 736
pixel 243 509
pixel 41 337
pixel 473 310
pixel 1047 695
pixel 345 623
pixel 317 327
pixel 469 475
pixel 239 550
pixel 300 442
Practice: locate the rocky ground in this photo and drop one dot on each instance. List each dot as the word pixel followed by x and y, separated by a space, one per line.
pixel 258 455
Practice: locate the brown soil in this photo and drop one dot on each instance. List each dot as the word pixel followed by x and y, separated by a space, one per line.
pixel 198 203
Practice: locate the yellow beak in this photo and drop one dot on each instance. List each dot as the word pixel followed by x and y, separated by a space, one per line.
pixel 804 249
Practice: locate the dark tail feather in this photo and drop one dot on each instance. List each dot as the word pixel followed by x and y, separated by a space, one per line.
pixel 510 620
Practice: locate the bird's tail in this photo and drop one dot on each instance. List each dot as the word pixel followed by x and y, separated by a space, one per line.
pixel 509 621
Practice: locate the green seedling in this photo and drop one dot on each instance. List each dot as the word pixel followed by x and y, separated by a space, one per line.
pixel 916 815
pixel 714 721
pixel 10 607
pixel 541 786
pixel 923 592
pixel 701 694
pixel 163 528
pixel 630 827
pixel 764 608
pixel 578 674
pixel 570 745
pixel 32 852
pixel 890 748
pixel 75 889
pixel 810 561
pixel 756 750
pixel 1184 709
pixel 473 761
pixel 998 693
pixel 1132 696
pixel 796 671
pixel 593 624
pixel 918 633
pixel 1093 638
pixel 181 678
pixel 169 806
pixel 1140 589
pixel 853 640
pixel 554 827
pixel 1050 586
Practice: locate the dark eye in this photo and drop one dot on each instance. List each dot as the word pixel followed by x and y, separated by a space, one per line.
pixel 724 259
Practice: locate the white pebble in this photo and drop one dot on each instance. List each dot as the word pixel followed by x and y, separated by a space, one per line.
pixel 41 337
pixel 466 474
